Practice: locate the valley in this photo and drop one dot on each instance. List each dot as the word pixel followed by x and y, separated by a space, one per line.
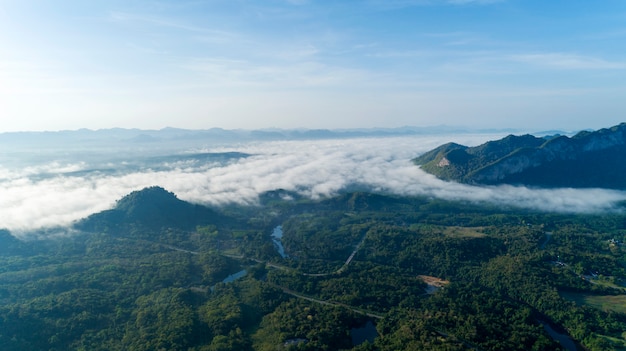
pixel 426 273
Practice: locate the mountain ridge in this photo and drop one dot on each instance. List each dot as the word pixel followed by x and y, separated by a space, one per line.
pixel 587 159
pixel 135 136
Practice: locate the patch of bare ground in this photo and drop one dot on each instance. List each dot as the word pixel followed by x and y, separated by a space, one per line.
pixel 433 283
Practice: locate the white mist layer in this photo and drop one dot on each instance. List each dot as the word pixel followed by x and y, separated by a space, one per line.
pixel 46 195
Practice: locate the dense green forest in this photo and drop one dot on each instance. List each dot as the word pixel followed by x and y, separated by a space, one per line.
pixel 361 272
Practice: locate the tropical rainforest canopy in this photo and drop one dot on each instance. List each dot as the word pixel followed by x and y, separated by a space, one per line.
pixel 157 273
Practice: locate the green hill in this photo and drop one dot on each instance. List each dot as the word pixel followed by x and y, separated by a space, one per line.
pixel 152 208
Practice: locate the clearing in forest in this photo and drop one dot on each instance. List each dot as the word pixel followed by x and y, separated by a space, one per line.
pixel 433 283
pixel 468 232
pixel 615 303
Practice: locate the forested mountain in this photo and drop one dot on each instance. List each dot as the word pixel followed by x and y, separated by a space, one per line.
pixel 588 159
pixel 152 208
pixel 409 273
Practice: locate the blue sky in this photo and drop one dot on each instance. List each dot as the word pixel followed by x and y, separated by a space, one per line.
pixel 315 64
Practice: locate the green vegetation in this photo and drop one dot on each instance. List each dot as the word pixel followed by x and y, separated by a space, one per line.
pixel 588 159
pixel 615 303
pixel 132 282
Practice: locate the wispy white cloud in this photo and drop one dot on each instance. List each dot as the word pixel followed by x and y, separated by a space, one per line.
pixel 127 61
pixel 397 4
pixel 568 61
pixel 290 74
pixel 159 21
pixel 197 33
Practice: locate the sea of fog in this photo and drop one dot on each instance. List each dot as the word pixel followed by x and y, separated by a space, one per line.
pixel 53 184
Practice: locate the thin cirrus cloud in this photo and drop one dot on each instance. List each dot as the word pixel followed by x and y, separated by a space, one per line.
pixel 159 22
pixel 227 73
pixel 568 61
pixel 394 4
pixel 152 64
pixel 56 194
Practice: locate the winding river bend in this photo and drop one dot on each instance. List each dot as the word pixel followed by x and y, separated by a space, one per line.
pixel 277 235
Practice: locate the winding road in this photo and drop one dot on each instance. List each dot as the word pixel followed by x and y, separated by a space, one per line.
pixel 345 265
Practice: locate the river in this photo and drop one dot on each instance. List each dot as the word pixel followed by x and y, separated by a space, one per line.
pixel 563 339
pixel 277 235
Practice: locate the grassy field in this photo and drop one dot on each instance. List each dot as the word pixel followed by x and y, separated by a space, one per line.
pixel 458 232
pixel 616 342
pixel 616 303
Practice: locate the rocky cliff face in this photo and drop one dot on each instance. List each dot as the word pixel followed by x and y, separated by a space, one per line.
pixel 588 159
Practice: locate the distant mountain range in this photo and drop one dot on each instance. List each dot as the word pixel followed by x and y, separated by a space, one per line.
pixel 587 159
pixel 116 136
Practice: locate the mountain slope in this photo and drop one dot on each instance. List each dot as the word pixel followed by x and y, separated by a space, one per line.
pixel 588 159
pixel 10 245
